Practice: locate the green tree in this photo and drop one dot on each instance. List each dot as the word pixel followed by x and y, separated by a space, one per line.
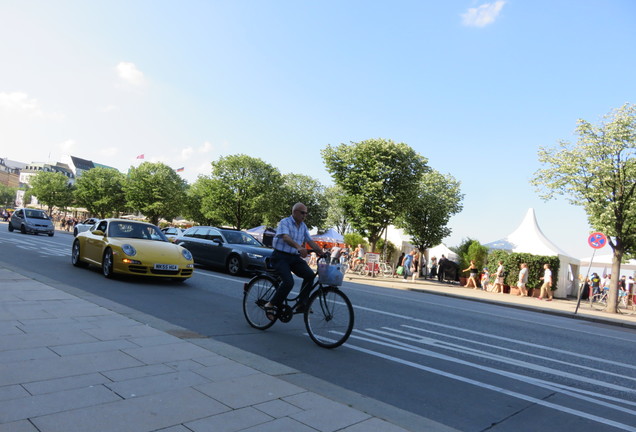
pixel 354 239
pixel 193 209
pixel 242 191
pixel 375 175
pixel 101 191
pixel 155 190
pixel 471 250
pixel 430 204
pixel 7 195
pixel 307 190
pixel 336 214
pixel 598 173
pixel 52 189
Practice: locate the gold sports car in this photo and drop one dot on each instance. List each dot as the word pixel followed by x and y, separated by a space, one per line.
pixel 132 248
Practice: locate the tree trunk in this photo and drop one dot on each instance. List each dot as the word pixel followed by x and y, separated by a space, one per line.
pixel 612 299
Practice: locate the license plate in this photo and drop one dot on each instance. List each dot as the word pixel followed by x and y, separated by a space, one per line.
pixel 166 267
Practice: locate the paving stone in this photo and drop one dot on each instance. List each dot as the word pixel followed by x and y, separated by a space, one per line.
pixel 21 355
pixel 41 370
pixel 142 414
pixel 92 347
pixel 226 370
pixel 137 372
pixel 45 339
pixel 375 425
pixel 12 392
pixel 156 384
pixel 284 424
pixel 34 406
pixel 19 426
pixel 179 428
pixel 249 390
pixel 167 353
pixel 324 414
pixel 126 329
pixel 231 421
pixel 278 408
pixel 68 383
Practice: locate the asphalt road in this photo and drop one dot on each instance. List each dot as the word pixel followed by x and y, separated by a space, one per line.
pixel 471 366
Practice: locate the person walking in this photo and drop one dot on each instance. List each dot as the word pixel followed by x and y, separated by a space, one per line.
pixel 472 278
pixel 546 288
pixel 485 279
pixel 499 279
pixel 523 280
pixel 406 264
pixel 416 264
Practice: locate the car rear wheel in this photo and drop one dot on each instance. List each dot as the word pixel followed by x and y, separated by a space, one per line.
pixel 10 227
pixel 75 232
pixel 233 265
pixel 107 263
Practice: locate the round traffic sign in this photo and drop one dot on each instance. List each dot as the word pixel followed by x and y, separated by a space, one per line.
pixel 597 240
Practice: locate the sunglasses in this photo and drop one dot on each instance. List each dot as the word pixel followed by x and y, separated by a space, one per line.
pixel 302 212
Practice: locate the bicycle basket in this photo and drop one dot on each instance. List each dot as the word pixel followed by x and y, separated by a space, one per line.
pixel 330 274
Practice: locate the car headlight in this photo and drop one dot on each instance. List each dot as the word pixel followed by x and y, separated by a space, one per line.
pixel 186 254
pixel 254 256
pixel 129 250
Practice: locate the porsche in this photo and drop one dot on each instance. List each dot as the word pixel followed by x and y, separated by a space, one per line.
pixel 121 246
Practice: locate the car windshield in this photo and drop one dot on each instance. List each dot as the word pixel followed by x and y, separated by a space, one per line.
pixel 135 230
pixel 36 214
pixel 239 237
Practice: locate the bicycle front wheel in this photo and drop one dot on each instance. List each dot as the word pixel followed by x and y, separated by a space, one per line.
pixel 257 293
pixel 329 317
pixel 599 302
pixel 625 308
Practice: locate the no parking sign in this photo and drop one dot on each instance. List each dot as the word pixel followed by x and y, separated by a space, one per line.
pixel 597 240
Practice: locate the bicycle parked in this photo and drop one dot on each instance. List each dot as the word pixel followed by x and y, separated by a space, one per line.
pixel 599 302
pixel 328 316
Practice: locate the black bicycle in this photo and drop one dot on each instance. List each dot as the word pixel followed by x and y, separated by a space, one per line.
pixel 328 314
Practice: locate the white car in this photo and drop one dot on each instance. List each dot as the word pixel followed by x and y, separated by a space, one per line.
pixel 172 233
pixel 84 226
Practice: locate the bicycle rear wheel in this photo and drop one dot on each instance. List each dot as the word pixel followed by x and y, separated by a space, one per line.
pixel 625 308
pixel 598 302
pixel 329 317
pixel 256 294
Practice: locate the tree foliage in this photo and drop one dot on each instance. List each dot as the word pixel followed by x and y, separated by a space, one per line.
pixel 101 191
pixel 52 189
pixel 336 215
pixel 430 204
pixel 375 176
pixel 7 195
pixel 242 191
pixel 598 173
pixel 309 191
pixel 155 190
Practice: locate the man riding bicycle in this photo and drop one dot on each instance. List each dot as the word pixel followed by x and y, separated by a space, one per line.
pixel 288 257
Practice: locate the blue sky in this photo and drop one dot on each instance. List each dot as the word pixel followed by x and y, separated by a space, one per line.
pixel 476 87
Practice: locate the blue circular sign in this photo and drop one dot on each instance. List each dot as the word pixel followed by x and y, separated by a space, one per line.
pixel 597 240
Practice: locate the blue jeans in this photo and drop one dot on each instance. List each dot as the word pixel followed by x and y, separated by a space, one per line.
pixel 286 264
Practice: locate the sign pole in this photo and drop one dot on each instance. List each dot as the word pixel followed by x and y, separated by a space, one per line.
pixel 596 241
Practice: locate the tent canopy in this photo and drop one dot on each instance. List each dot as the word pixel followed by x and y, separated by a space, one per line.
pixel 440 250
pixel 329 236
pixel 606 261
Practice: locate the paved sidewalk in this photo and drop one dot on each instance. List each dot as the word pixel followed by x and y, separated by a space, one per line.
pixel 85 364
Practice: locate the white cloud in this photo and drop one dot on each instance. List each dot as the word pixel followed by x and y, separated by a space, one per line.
pixel 206 147
pixel 186 153
pixel 18 102
pixel 108 151
pixel 128 72
pixel 483 15
pixel 67 146
pixel 110 108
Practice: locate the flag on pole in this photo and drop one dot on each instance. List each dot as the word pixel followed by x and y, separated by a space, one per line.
pixel 141 156
pixel 180 169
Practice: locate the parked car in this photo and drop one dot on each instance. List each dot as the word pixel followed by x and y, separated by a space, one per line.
pixel 29 220
pixel 172 233
pixel 133 248
pixel 84 226
pixel 235 251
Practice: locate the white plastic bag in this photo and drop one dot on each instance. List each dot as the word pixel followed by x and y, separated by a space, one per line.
pixel 330 274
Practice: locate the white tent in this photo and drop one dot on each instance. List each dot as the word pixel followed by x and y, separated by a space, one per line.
pixel 440 250
pixel 606 261
pixel 528 238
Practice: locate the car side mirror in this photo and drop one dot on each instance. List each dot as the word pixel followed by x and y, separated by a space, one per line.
pixel 217 241
pixel 98 233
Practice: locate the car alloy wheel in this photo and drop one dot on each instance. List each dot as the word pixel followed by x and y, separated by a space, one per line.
pixel 107 263
pixel 233 265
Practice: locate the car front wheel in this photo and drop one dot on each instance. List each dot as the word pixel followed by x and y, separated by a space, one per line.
pixel 107 264
pixel 233 265
pixel 23 229
pixel 10 227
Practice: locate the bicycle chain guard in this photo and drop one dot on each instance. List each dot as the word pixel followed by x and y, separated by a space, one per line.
pixel 285 313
